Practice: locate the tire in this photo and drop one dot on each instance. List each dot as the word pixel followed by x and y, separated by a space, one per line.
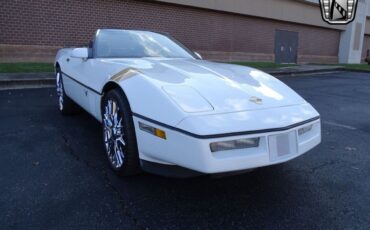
pixel 66 105
pixel 119 134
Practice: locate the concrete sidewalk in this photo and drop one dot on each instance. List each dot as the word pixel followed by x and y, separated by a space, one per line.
pixel 26 80
pixel 38 80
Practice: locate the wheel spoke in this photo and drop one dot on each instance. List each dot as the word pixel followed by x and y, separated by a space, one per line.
pixel 118 124
pixel 114 108
pixel 118 155
pixel 110 107
pixel 107 120
pixel 107 142
pixel 115 119
pixel 118 128
pixel 121 141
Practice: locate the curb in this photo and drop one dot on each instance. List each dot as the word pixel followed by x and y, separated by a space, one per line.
pixel 297 73
pixel 26 83
pixel 302 72
pixel 26 80
pixel 357 70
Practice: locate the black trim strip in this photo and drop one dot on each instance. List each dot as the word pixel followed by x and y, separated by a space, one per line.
pixel 226 134
pixel 87 87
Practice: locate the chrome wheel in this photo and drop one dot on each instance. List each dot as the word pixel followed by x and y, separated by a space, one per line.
pixel 113 134
pixel 60 90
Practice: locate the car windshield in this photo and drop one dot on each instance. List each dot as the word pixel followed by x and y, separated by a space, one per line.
pixel 137 44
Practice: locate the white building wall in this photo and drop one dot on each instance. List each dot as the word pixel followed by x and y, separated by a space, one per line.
pixel 352 39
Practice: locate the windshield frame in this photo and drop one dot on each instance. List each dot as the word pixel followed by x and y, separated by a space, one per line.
pixel 171 38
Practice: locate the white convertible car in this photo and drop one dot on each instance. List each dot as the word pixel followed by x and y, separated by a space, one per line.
pixel 166 111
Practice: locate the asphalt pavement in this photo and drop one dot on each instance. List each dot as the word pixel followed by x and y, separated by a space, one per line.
pixel 54 175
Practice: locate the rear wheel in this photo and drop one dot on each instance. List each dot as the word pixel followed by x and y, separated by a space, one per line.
pixel 119 134
pixel 66 105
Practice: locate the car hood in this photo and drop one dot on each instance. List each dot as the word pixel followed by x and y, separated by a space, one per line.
pixel 225 87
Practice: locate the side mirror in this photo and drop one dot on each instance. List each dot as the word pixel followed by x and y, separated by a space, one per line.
pixel 198 55
pixel 80 53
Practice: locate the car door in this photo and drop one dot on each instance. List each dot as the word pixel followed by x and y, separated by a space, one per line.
pixel 84 80
pixel 75 82
pixel 92 74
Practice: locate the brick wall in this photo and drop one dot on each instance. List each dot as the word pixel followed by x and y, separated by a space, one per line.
pixel 215 34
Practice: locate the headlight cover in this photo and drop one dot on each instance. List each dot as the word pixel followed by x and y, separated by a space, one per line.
pixel 188 99
pixel 235 144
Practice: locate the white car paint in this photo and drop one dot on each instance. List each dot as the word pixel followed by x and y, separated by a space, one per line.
pixel 197 102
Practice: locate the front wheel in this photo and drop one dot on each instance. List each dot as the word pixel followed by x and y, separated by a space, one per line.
pixel 119 134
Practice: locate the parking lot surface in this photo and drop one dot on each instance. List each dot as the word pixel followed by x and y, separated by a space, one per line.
pixel 54 175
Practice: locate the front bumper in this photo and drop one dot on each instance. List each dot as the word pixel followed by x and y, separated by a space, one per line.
pixel 194 153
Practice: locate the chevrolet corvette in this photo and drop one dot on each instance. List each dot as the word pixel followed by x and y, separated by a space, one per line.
pixel 166 111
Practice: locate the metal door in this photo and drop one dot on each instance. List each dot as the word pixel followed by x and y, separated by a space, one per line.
pixel 286 46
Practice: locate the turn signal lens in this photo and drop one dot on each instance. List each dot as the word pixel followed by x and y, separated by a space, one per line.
pixel 149 129
pixel 235 144
pixel 160 133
